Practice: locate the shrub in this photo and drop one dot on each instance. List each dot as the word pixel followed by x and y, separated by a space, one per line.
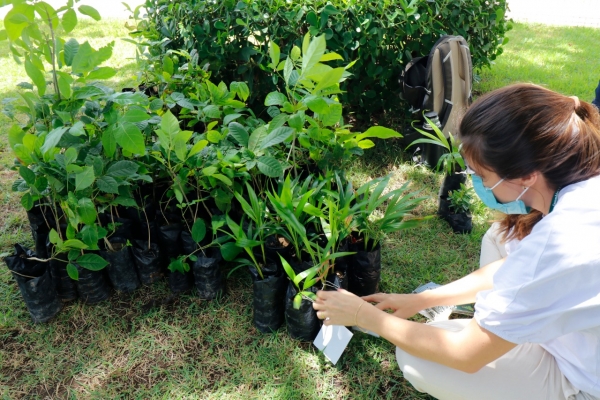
pixel 382 36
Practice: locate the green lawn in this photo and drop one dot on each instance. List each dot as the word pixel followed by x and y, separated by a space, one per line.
pixel 148 345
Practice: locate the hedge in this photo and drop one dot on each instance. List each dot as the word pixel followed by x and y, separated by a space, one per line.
pixel 382 36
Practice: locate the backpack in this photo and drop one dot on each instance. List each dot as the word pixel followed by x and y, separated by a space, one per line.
pixel 440 82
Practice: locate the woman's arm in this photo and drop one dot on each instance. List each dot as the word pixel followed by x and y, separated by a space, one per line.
pixel 462 291
pixel 468 350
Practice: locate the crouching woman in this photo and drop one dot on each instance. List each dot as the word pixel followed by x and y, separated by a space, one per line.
pixel 536 329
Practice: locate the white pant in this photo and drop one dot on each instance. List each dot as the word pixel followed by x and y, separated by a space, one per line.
pixel 527 372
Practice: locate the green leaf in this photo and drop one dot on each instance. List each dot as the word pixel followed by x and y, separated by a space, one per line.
pixel 53 236
pixel 3 35
pixel 197 148
pixel 167 64
pixel 229 251
pixel 366 144
pixel 107 184
pixel 82 59
pixel 334 115
pixel 124 201
pixel 70 232
pixel 123 169
pixel 270 167
pixel 209 171
pixel 229 118
pixel 275 99
pixel 297 301
pixel 198 230
pixel 330 57
pixel 75 244
pixel 241 88
pixel 84 179
pixel 274 53
pixel 223 179
pixel 36 76
pixel 156 104
pixel 77 130
pixel 331 78
pixel 87 92
pixel 109 143
pixel 27 174
pixel 86 211
pixel 169 124
pixel 213 136
pixel 379 132
pixel 52 139
pixel 295 53
pixel 73 254
pixel 130 138
pixel 69 20
pixel 15 136
pixel 239 133
pixel 317 105
pixel 276 136
pixel 288 68
pixel 89 235
pixel 212 111
pixel 73 272
pixel 27 201
pixel 92 262
pixel 180 141
pixel 135 115
pixel 90 12
pixel 102 73
pixel 17 19
pixel 71 48
pixel 313 54
pixel 23 154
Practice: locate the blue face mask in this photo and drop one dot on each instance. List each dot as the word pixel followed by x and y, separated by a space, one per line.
pixel 487 196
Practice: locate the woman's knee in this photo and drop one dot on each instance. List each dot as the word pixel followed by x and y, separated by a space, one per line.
pixel 413 368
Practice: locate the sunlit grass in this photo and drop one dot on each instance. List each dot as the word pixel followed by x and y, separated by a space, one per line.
pixel 564 59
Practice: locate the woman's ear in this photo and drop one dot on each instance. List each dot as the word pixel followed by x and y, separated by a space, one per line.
pixel 529 180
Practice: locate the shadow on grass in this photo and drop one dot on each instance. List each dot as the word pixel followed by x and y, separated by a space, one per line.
pixel 183 348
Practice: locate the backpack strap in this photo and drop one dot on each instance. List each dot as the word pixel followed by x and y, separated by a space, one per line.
pixel 414 83
pixel 440 79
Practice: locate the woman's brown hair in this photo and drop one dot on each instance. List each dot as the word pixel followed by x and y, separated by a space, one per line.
pixel 524 128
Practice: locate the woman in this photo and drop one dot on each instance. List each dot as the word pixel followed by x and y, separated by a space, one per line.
pixel 536 330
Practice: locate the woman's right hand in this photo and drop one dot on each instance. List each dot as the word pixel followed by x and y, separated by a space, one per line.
pixel 402 305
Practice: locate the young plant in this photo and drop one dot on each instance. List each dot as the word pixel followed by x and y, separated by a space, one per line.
pixel 461 200
pixel 311 108
pixel 373 222
pixel 258 228
pixel 451 161
pixel 295 210
pixel 308 280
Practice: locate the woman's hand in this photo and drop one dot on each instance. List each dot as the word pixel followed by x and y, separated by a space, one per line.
pixel 402 305
pixel 338 308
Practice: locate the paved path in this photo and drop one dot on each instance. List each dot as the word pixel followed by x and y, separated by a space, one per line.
pixel 556 12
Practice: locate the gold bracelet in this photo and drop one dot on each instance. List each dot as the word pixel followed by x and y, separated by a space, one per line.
pixel 356 314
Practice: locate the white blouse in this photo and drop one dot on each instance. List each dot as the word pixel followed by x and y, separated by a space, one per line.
pixel 548 289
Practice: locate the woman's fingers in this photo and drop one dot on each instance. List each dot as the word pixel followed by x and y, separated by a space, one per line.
pixel 376 298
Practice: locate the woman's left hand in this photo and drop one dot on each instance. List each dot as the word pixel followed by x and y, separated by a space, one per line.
pixel 337 308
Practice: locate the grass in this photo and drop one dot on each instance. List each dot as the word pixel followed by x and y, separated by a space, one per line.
pixel 560 58
pixel 148 345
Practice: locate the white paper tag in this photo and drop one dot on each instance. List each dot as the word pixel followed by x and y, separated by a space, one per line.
pixel 332 340
pixel 363 330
